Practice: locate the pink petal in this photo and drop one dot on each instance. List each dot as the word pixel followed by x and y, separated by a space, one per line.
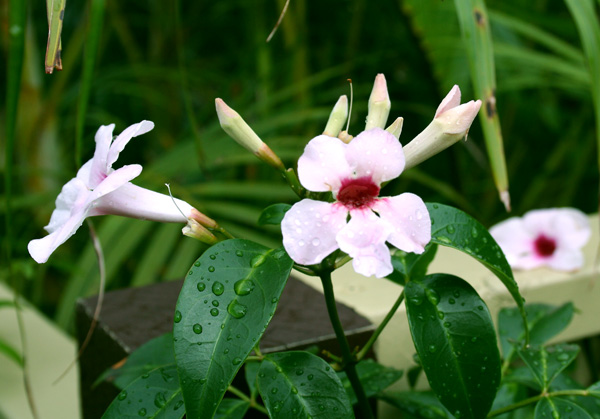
pixel 309 230
pixel 363 238
pixel 99 166
pixel 121 141
pixel 376 153
pixel 323 165
pixel 514 240
pixel 451 100
pixel 568 226
pixel 409 221
pixel 133 201
pixel 565 259
pixel 84 173
pixel 41 249
pixel 116 179
pixel 72 198
pixel 458 120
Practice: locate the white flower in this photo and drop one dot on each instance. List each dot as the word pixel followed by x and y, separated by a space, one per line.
pixel 549 237
pixel 98 189
pixel 354 173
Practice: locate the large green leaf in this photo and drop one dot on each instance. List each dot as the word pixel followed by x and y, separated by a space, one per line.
pixel 226 303
pixel 553 407
pixel 273 214
pixel 155 353
pixel 300 385
pixel 544 321
pixel 374 377
pixel 153 395
pixel 417 404
pixel 454 228
pixel 456 342
pixel 547 362
pixel 411 265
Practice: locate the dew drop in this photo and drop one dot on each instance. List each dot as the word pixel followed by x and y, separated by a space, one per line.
pixel 177 317
pixel 122 395
pixel 178 405
pixel 160 400
pixel 197 264
pixel 214 312
pixel 215 303
pixel 218 288
pixel 301 243
pixel 236 361
pixel 310 377
pixel 197 328
pixel 239 253
pixel 432 348
pixel 450 229
pixel 447 324
pixel 243 286
pixel 315 242
pixel 294 390
pixel 142 412
pixel 432 296
pixel 274 390
pixel 299 372
pixel 563 357
pixel 441 315
pixel 201 286
pixel 236 309
pixel 452 301
pixel 274 300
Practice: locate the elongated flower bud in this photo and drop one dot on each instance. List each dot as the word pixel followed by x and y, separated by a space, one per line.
pixel 195 230
pixel 396 128
pixel 233 124
pixel 379 104
pixel 451 123
pixel 337 118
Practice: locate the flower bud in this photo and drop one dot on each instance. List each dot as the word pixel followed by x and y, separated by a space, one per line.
pixel 233 124
pixel 379 104
pixel 396 128
pixel 195 230
pixel 337 118
pixel 451 123
pixel 202 219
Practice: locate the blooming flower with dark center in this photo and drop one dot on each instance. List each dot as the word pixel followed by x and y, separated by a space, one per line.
pixel 550 237
pixel 353 173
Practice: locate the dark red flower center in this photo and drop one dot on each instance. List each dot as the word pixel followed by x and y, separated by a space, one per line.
pixel 356 193
pixel 544 246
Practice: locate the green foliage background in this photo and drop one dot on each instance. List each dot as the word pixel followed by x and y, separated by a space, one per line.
pixel 167 61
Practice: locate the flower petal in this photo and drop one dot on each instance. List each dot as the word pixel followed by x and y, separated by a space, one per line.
pixel 514 240
pixel 363 238
pixel 116 179
pixel 565 259
pixel 121 141
pixel 376 153
pixel 323 165
pixel 409 220
pixel 133 201
pixel 99 166
pixel 451 100
pixel 72 198
pixel 309 230
pixel 568 226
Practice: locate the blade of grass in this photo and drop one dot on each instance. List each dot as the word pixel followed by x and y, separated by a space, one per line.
pixel 475 29
pixel 56 11
pixel 89 62
pixel 10 352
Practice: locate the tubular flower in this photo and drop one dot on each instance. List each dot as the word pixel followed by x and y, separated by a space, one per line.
pixel 353 173
pixel 98 189
pixel 550 237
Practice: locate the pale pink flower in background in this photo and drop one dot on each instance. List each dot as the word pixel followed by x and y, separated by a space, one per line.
pixel 98 189
pixel 353 173
pixel 550 237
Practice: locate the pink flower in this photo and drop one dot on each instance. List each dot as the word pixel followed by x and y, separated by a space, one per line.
pixel 98 189
pixel 549 237
pixel 354 172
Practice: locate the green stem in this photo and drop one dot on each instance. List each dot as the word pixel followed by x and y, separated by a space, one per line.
pixel 361 354
pixel 537 398
pixel 244 397
pixel 349 360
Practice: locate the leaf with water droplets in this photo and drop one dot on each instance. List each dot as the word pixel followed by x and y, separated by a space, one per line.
pixel 150 396
pixel 373 376
pixel 463 372
pixel 299 385
pixel 457 229
pixel 547 362
pixel 244 281
pixel 411 266
pixel 558 408
pixel 273 214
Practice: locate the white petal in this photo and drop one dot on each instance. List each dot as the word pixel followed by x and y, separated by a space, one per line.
pixel 376 153
pixel 451 100
pixel 323 164
pixel 409 221
pixel 41 249
pixel 568 226
pixel 363 239
pixel 309 230
pixel 99 167
pixel 121 141
pixel 84 174
pixel 116 179
pixel 515 240
pixel 72 198
pixel 566 259
pixel 133 201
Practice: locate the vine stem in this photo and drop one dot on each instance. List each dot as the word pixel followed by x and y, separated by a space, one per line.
pixel 361 354
pixel 534 399
pixel 349 359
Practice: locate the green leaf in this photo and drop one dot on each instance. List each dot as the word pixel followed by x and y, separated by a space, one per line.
pixel 232 409
pixel 455 339
pixel 153 354
pixel 523 376
pixel 547 362
pixel 454 228
pixel 411 265
pixel 273 214
pixel 413 375
pixel 554 407
pixel 508 394
pixel 544 321
pixel 416 403
pixel 594 389
pixel 251 374
pixel 299 384
pixel 10 352
pixel 373 376
pixel 226 303
pixel 153 395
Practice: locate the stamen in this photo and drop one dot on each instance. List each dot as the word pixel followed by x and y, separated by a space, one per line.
pixel 357 193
